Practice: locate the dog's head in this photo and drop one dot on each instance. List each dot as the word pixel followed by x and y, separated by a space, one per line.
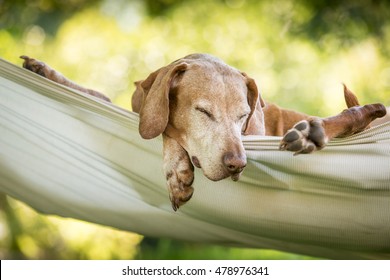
pixel 205 105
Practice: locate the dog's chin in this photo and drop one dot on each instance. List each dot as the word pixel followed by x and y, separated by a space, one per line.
pixel 215 175
pixel 221 175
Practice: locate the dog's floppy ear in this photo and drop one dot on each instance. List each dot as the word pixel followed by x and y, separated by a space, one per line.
pixel 253 124
pixel 137 98
pixel 154 112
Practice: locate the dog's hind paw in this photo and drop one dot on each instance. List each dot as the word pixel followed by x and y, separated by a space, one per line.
pixel 34 65
pixel 305 137
pixel 46 71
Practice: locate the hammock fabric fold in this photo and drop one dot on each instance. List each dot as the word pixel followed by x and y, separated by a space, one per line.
pixel 69 154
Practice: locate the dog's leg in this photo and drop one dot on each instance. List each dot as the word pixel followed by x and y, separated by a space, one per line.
pixel 179 172
pixel 46 71
pixel 314 133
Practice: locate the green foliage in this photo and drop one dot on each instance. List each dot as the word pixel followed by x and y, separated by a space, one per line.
pixel 24 234
pixel 111 45
pixel 16 15
pixel 299 53
pixel 360 18
pixel 166 249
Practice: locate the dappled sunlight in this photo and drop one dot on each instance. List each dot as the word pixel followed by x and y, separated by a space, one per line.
pixel 95 49
pixel 128 14
pixel 34 36
pixel 355 68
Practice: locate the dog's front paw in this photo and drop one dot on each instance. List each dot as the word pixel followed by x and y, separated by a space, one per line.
pixel 305 137
pixel 179 172
pixel 179 186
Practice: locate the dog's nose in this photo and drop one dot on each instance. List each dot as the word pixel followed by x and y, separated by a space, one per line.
pixel 234 163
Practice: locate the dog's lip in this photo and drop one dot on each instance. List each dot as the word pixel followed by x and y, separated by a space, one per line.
pixel 236 176
pixel 195 161
pixel 218 176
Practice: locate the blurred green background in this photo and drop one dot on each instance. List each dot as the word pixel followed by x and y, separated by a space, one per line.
pixel 299 52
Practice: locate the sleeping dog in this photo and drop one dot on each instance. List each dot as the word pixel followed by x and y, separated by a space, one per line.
pixel 201 107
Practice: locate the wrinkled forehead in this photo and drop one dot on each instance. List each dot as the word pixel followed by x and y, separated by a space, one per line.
pixel 215 79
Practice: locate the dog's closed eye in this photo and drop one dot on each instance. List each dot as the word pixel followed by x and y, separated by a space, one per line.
pixel 243 117
pixel 205 112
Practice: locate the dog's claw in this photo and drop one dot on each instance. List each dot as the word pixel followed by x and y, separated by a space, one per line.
pixel 175 205
pixel 180 197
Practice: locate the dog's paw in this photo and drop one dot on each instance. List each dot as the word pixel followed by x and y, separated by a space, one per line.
pixel 305 137
pixel 34 65
pixel 179 183
pixel 179 172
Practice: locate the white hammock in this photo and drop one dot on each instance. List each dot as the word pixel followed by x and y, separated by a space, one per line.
pixel 72 155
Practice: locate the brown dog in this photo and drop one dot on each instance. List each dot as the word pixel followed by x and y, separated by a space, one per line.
pixel 202 106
